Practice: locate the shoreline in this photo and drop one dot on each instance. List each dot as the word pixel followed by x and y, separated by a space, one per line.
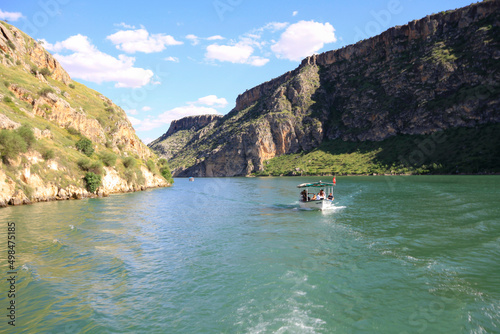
pixel 79 194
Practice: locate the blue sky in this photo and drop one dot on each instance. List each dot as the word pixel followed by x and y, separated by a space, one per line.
pixel 163 60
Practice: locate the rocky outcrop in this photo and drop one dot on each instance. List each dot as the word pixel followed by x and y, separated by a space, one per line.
pixel 432 74
pixel 185 129
pixel 192 123
pixel 17 45
pixel 7 123
pixel 48 164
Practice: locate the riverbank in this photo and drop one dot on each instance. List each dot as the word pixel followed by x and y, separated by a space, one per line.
pixel 33 189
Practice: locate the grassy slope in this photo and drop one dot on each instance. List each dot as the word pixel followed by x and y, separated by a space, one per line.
pixel 459 150
pixel 63 142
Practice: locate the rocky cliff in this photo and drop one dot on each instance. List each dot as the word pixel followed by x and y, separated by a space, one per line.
pixel 432 74
pixel 45 120
pixel 184 129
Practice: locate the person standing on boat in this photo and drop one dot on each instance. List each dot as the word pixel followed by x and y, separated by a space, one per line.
pixel 330 197
pixel 321 194
pixel 304 195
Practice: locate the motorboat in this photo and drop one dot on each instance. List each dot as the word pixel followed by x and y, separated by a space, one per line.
pixel 191 179
pixel 311 190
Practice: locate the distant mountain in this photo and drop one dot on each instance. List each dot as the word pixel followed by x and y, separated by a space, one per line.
pixel 411 83
pixel 60 139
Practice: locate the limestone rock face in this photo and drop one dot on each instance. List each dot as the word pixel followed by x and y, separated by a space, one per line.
pixel 13 43
pixel 59 111
pixel 431 74
pixel 49 170
pixel 7 123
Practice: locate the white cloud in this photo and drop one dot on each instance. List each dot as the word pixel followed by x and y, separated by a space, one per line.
pixel 172 59
pixel 274 26
pixel 134 120
pixel 303 39
pixel 88 63
pixel 140 40
pixel 212 100
pixel 10 16
pixel 124 25
pixel 146 108
pixel 180 112
pixel 203 106
pixel 215 38
pixel 195 40
pixel 132 111
pixel 240 53
pixel 258 61
pixel 295 13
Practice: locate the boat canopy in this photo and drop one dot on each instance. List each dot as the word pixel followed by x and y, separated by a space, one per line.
pixel 316 185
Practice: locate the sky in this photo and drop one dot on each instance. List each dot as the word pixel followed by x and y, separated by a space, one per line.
pixel 164 60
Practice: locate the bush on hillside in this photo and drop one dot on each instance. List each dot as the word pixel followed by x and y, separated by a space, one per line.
pixel 11 144
pixel 46 90
pixel 165 170
pixel 93 181
pixel 27 134
pixel 91 166
pixel 48 154
pixel 84 145
pixel 45 72
pixel 151 165
pixel 108 158
pixel 129 162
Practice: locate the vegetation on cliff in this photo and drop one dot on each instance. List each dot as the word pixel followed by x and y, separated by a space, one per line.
pixel 452 151
pixel 58 138
pixel 383 95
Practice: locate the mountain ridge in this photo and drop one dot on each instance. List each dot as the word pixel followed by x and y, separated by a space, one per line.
pixel 433 74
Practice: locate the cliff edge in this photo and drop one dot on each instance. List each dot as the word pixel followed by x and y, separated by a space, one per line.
pixel 60 139
pixel 437 73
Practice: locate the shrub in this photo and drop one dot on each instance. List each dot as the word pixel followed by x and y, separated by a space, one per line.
pixel 45 91
pixel 6 84
pixel 48 154
pixel 7 99
pixel 140 177
pixel 74 131
pixel 34 70
pixel 129 176
pixel 72 86
pixel 88 165
pixel 84 164
pixel 11 45
pixel 18 62
pixel 101 121
pixel 151 165
pixel 129 162
pixel 45 72
pixel 84 145
pixel 11 144
pixel 108 158
pixel 93 181
pixel 27 134
pixel 165 170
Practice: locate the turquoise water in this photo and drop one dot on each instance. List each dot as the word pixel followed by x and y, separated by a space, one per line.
pixel 398 254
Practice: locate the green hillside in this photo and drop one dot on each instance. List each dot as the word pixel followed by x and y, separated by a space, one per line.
pixel 453 151
pixel 65 133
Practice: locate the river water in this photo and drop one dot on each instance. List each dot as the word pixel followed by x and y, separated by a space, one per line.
pixel 401 254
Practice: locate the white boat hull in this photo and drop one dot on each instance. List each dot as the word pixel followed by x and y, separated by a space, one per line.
pixel 323 204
